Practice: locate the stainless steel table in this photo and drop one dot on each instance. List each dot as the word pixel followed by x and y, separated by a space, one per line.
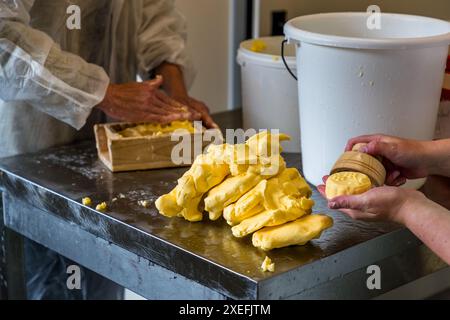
pixel 162 258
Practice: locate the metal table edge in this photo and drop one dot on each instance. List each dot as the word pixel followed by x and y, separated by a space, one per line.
pixel 247 281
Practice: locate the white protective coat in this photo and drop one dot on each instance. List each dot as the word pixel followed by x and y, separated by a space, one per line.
pixel 51 77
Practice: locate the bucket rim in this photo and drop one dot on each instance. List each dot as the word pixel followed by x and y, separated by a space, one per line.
pixel 296 34
pixel 262 57
pixel 245 55
pixel 266 60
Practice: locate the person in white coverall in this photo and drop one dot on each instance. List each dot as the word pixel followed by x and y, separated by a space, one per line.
pixel 56 79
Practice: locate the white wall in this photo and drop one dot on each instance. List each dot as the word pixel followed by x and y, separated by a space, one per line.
pixel 212 32
pixel 208 44
pixel 433 8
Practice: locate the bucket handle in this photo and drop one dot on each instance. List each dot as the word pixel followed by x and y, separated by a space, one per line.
pixel 284 60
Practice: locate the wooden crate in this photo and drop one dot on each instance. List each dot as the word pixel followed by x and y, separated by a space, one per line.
pixel 120 153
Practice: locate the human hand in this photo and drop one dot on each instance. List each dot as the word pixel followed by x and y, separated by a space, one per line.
pixel 402 158
pixel 378 204
pixel 144 102
pixel 199 107
pixel 176 89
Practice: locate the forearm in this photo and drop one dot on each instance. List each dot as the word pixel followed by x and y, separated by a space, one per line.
pixel 36 71
pixel 438 157
pixel 175 87
pixel 162 39
pixel 430 222
pixel 173 79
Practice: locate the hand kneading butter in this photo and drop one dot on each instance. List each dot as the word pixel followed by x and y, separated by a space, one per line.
pixel 347 183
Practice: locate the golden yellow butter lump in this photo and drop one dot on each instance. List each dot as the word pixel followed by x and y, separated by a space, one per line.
pixel 268 265
pixel 191 211
pixel 233 219
pixel 229 192
pixel 266 144
pixel 101 207
pixel 204 174
pixel 152 129
pixel 225 173
pixel 250 200
pixel 275 201
pixel 247 206
pixel 298 232
pixel 250 163
pixel 184 199
pixel 288 190
pixel 259 155
pixel 258 45
pixel 347 183
pixel 242 159
pixel 266 218
pixel 167 205
pixel 87 201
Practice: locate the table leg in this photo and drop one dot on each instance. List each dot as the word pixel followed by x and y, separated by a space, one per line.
pixel 12 267
pixel 3 285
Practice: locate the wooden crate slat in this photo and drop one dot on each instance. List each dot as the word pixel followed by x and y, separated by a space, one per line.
pixel 136 153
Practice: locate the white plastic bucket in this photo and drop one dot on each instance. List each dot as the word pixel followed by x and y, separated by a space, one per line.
pixel 358 81
pixel 269 93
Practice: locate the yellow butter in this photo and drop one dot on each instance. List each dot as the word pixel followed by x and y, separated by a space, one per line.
pixel 347 183
pixel 191 211
pixel 248 205
pixel 231 217
pixel 250 163
pixel 87 201
pixel 286 191
pixel 251 187
pixel 101 207
pixel 184 199
pixel 208 173
pixel 266 218
pixel 154 129
pixel 266 145
pixel 298 232
pixel 167 205
pixel 235 180
pixel 259 155
pixel 204 174
pixel 258 46
pixel 229 192
pixel 268 265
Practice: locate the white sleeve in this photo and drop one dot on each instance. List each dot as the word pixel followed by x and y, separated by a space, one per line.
pixel 162 38
pixel 33 69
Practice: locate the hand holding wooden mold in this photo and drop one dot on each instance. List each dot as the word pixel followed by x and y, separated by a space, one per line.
pixel 250 186
pixel 355 173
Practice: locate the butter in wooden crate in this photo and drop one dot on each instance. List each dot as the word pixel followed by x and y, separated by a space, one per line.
pixel 142 146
